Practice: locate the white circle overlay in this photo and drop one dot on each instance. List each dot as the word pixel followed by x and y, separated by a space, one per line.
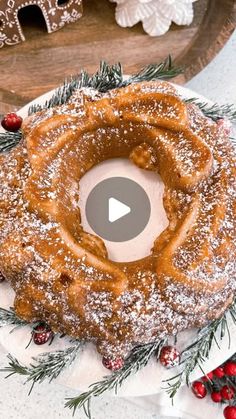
pixel 87 368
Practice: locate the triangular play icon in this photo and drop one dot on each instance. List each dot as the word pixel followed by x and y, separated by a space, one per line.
pixel 117 210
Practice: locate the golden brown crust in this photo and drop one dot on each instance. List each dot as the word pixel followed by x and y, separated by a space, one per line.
pixel 62 275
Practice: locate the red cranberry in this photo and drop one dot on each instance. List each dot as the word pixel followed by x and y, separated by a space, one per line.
pixel 199 389
pixel 11 122
pixel 41 334
pixel 227 392
pixel 230 368
pixel 230 412
pixel 216 396
pixel 169 356
pixel 113 364
pixel 219 372
pixel 208 377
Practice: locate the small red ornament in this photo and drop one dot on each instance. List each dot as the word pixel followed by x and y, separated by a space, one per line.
pixel 219 372
pixel 207 377
pixel 216 396
pixel 41 334
pixel 113 364
pixel 227 392
pixel 2 278
pixel 169 356
pixel 11 122
pixel 230 412
pixel 199 389
pixel 230 368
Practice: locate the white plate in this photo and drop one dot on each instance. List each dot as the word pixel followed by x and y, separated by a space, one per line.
pixel 88 368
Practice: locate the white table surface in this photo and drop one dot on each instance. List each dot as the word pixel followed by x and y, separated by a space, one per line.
pixel 218 83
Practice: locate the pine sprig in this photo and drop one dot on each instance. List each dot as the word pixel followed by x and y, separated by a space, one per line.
pixel 196 353
pixel 163 71
pixel 48 365
pixel 215 111
pixel 9 317
pixel 9 140
pixel 138 359
pixel 108 77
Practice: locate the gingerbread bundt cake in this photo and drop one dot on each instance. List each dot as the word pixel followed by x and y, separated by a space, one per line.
pixel 62 275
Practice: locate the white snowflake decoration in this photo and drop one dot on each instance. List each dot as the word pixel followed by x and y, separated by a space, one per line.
pixel 155 15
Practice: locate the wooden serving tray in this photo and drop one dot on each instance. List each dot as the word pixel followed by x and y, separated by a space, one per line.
pixel 43 61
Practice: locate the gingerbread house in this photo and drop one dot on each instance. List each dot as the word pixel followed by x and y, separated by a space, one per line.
pixel 56 13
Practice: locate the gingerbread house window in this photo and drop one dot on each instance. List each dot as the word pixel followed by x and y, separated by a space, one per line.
pixel 31 17
pixel 62 2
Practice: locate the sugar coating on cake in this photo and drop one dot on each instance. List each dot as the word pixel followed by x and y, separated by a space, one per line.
pixel 61 274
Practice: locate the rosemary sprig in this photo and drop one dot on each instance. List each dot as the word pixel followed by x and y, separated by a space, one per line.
pixel 215 111
pixel 196 353
pixel 9 317
pixel 47 365
pixel 138 359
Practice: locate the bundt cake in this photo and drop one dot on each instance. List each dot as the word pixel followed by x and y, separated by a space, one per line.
pixel 62 275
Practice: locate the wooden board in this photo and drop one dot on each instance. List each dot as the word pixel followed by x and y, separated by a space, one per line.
pixel 43 61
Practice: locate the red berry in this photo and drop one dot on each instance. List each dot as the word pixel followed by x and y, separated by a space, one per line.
pixel 11 122
pixel 227 392
pixel 199 389
pixel 207 377
pixel 230 412
pixel 41 334
pixel 113 364
pixel 169 356
pixel 230 368
pixel 216 397
pixel 219 372
pixel 2 278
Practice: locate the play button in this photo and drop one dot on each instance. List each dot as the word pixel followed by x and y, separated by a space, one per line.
pixel 117 209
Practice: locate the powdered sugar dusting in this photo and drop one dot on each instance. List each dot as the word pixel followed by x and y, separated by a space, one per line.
pixel 61 273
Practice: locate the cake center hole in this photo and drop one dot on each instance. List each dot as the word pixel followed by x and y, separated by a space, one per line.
pixel 125 204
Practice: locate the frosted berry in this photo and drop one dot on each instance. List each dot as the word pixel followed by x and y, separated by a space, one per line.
pixel 216 396
pixel 199 389
pixel 11 122
pixel 230 368
pixel 2 278
pixel 227 392
pixel 169 356
pixel 113 364
pixel 230 412
pixel 207 377
pixel 219 372
pixel 42 334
